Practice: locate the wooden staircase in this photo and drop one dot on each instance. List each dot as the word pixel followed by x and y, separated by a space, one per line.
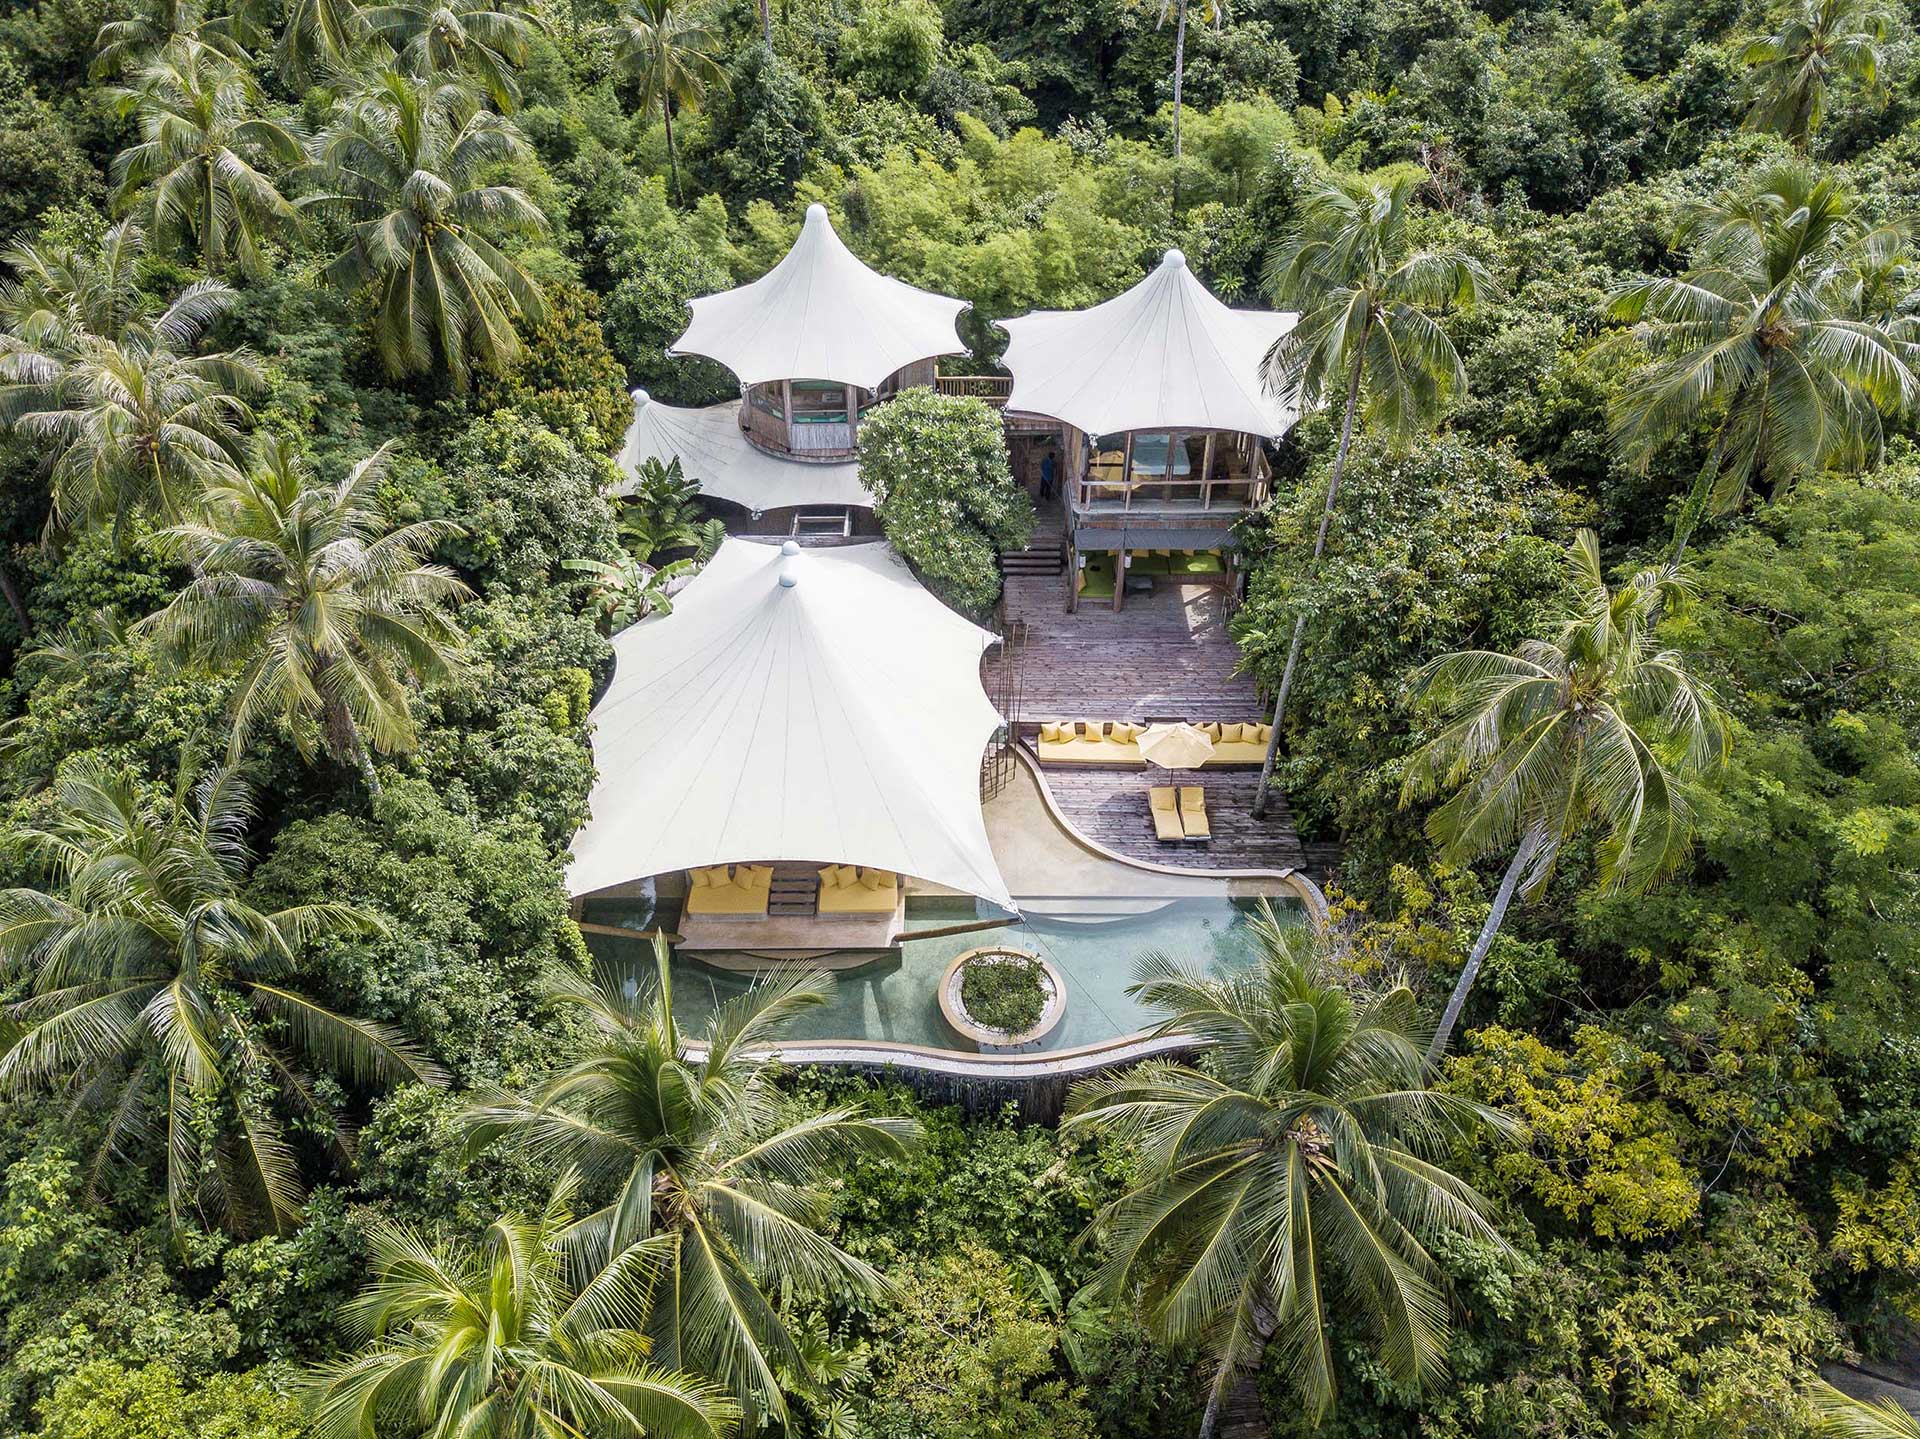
pixel 1046 552
pixel 795 893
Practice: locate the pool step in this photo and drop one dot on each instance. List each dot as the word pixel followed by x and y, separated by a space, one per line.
pixel 795 893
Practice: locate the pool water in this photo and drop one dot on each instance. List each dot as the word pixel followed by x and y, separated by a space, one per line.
pixel 894 998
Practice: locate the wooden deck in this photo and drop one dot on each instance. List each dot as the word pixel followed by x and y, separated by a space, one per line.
pixel 1109 806
pixel 1166 655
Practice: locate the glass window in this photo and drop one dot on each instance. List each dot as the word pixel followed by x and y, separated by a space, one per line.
pixel 819 402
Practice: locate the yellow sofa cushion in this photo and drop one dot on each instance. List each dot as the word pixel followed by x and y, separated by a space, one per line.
pixel 1050 731
pixel 877 878
pixel 849 875
pixel 830 877
pixel 727 899
pixel 1094 730
pixel 1122 732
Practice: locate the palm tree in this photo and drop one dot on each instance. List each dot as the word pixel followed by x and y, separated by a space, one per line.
pixel 1760 335
pixel 135 40
pixel 505 1338
pixel 403 164
pixel 661 512
pixel 133 423
pixel 1844 1417
pixel 63 293
pixel 316 35
pixel 156 991
pixel 704 1163
pixel 669 48
pixel 1596 726
pixel 1817 42
pixel 321 599
pixel 1298 1164
pixel 486 39
pixel 1365 331
pixel 1215 13
pixel 201 148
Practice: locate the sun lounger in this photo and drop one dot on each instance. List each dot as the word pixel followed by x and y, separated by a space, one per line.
pixel 1193 813
pixel 1166 816
pixel 846 890
pixel 741 894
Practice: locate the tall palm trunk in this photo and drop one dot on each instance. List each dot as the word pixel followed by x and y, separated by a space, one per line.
pixel 1179 83
pixel 13 601
pixel 1239 1374
pixel 673 161
pixel 346 741
pixel 1319 548
pixel 1457 1001
pixel 766 24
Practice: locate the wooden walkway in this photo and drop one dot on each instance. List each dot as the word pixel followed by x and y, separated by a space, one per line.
pixel 1166 655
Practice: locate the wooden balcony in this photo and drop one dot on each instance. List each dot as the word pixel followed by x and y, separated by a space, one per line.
pixel 994 389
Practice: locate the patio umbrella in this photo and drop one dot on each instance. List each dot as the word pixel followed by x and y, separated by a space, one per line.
pixel 1175 746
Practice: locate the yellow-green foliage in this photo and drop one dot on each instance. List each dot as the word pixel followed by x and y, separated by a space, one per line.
pixel 1596 1152
pixel 1878 1229
pixel 967 1355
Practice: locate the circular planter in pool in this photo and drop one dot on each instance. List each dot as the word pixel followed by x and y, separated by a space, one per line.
pixel 1053 1008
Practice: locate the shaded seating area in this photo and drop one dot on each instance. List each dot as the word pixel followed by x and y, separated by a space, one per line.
pixel 1116 742
pixel 850 889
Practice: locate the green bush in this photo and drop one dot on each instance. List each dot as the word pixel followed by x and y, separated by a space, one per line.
pixel 936 466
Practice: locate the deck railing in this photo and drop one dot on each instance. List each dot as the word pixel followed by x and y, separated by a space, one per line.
pixel 994 389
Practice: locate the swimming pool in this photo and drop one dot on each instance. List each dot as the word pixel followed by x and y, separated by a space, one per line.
pixel 894 1000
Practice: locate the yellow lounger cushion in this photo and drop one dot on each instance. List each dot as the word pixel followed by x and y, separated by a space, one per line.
pixel 1093 729
pixel 849 876
pixel 830 877
pixel 877 878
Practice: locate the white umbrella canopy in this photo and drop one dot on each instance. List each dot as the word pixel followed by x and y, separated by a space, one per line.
pixel 1175 746
pixel 820 314
pixel 818 705
pixel 1164 355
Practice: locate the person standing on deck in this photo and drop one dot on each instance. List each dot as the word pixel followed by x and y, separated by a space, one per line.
pixel 1046 477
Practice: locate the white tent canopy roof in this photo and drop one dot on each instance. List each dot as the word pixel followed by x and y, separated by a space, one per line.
pixel 820 314
pixel 796 705
pixel 712 449
pixel 1164 355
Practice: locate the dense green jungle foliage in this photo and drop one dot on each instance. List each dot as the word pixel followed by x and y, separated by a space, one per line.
pixel 314 301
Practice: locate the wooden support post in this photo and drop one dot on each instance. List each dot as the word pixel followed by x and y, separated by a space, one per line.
pixel 1206 474
pixel 853 414
pixel 786 414
pixel 1073 575
pixel 1126 472
pixel 1119 577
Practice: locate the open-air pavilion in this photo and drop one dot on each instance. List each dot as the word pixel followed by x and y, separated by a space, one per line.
pixel 816 342
pixel 1166 418
pixel 791 748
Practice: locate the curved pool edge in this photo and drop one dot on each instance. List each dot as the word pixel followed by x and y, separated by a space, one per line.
pixel 1303 888
pixel 957 1064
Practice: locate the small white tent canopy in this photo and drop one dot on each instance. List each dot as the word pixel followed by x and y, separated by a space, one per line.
pixel 796 705
pixel 712 449
pixel 820 314
pixel 1166 355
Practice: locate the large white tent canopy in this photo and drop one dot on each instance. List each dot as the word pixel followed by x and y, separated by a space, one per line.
pixel 712 449
pixel 817 705
pixel 820 314
pixel 1165 355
